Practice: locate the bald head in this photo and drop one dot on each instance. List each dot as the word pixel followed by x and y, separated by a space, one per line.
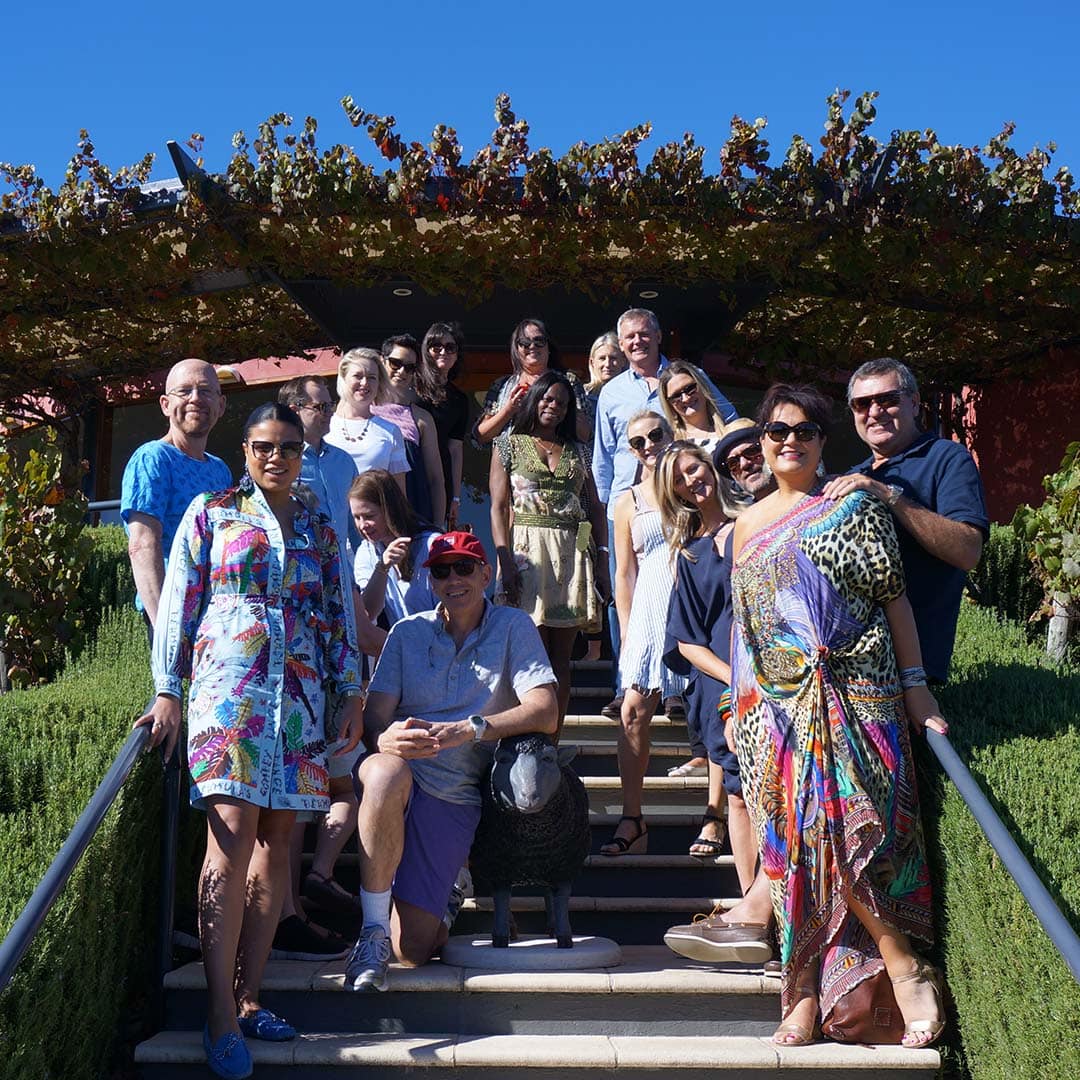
pixel 193 403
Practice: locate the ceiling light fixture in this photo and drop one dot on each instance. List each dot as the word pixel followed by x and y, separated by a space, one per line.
pixel 401 291
pixel 648 294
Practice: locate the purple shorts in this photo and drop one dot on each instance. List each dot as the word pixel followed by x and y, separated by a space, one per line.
pixel 438 836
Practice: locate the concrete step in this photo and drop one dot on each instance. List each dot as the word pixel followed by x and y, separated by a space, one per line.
pixel 660 795
pixel 590 725
pixel 652 990
pixel 315 1056
pixel 598 757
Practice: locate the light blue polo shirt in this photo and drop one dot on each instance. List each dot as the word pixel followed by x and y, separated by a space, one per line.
pixel 499 662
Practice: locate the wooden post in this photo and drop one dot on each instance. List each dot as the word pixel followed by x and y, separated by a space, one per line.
pixel 1057 633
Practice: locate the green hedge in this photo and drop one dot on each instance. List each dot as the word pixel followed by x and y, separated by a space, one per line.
pixel 1005 578
pixel 70 1005
pixel 1016 723
pixel 106 582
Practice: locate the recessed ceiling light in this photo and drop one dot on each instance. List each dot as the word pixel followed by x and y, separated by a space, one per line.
pixel 648 294
pixel 403 292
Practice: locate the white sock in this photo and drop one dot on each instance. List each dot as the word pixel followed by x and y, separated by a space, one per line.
pixel 376 907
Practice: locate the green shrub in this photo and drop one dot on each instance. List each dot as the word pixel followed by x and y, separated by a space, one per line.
pixel 1016 723
pixel 1005 578
pixel 69 1006
pixel 107 582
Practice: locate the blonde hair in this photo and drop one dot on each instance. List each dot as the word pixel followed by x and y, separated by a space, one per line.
pixel 356 357
pixel 712 410
pixel 682 522
pixel 611 339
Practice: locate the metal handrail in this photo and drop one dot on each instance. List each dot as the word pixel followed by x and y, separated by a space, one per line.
pixel 1057 927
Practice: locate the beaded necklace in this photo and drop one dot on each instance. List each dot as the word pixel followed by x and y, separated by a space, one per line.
pixel 353 438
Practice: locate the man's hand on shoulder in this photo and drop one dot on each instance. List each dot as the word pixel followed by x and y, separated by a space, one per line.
pixel 409 738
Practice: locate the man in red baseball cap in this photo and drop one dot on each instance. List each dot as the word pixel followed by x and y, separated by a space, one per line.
pixel 448 685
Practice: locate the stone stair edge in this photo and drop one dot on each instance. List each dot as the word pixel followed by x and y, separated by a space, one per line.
pixel 615 862
pixel 721 1052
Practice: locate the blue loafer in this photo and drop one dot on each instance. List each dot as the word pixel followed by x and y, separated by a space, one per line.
pixel 266 1025
pixel 228 1057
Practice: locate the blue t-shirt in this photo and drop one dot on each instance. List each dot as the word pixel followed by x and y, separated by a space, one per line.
pixel 161 481
pixel 942 476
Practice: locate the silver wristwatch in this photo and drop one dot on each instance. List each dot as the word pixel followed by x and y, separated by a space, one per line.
pixel 479 726
pixel 895 491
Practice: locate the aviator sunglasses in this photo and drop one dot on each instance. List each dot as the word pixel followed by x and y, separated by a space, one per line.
pixel 888 399
pixel 749 453
pixel 778 431
pixel 440 571
pixel 264 451
pixel 638 441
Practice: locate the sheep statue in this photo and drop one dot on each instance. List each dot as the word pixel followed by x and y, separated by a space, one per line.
pixel 534 830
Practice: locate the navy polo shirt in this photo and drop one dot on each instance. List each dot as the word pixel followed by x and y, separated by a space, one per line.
pixel 941 475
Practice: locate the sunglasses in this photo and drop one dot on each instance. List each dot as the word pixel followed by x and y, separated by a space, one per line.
pixel 804 432
pixel 685 394
pixel 532 342
pixel 264 451
pixel 442 346
pixel 655 436
pixel 323 407
pixel 747 453
pixel 440 571
pixel 398 364
pixel 889 399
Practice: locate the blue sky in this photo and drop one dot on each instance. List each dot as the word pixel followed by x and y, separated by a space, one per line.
pixel 136 76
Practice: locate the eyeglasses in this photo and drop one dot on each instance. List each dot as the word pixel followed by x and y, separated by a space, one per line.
pixel 325 408
pixel 685 394
pixel 804 432
pixel 440 571
pixel 264 451
pixel 888 399
pixel 655 436
pixel 747 453
pixel 400 365
pixel 188 392
pixel 537 342
pixel 442 346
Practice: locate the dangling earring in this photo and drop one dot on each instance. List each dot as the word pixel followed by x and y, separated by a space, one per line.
pixel 766 470
pixel 820 470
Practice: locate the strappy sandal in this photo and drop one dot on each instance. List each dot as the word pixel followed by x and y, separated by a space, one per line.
pixel 714 847
pixel 804 1036
pixel 619 845
pixel 927 973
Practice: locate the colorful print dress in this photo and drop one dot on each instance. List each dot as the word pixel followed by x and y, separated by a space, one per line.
pixel 261 626
pixel 551 534
pixel 822 736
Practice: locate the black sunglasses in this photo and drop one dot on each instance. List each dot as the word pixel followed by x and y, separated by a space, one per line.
pixel 442 346
pixel 537 342
pixel 807 431
pixel 888 399
pixel 289 451
pixel 400 365
pixel 655 436
pixel 440 571
pixel 684 394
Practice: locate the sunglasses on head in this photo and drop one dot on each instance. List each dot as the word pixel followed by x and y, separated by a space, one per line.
pixel 400 365
pixel 654 436
pixel 440 571
pixel 807 431
pixel 751 452
pixel 264 451
pixel 888 399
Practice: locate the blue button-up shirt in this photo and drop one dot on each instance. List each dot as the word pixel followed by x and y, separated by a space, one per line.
pixel 614 464
pixel 329 471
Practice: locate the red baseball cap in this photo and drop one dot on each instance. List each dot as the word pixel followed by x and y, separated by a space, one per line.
pixel 455 545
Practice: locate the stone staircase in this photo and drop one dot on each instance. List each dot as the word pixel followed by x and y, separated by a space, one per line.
pixel 652 1013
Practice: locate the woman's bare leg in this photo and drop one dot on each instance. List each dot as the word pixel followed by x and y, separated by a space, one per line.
pixel 559 642
pixel 633 751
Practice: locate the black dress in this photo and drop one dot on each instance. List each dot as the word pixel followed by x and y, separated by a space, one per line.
pixel 451 418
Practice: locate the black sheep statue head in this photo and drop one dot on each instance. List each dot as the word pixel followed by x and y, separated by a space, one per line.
pixel 527 771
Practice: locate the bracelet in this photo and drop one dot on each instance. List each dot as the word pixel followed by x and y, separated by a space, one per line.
pixel 604 548
pixel 911 677
pixel 455 498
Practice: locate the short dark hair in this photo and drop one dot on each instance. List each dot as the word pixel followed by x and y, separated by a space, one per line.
pixel 527 419
pixel 406 341
pixel 294 392
pixel 273 410
pixel 814 404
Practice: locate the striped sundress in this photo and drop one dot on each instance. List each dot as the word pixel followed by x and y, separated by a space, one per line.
pixel 641 658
